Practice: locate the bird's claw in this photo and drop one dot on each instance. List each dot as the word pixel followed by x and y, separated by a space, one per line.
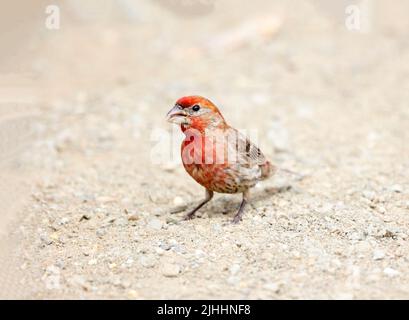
pixel 236 220
pixel 188 217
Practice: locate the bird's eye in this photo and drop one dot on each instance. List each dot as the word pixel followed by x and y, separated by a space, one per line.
pixel 196 108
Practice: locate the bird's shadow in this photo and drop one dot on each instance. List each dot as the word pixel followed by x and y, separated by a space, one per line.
pixel 227 205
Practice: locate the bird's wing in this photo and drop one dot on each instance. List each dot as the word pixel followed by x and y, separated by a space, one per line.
pixel 248 153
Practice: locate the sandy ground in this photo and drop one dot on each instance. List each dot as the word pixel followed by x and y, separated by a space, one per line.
pixel 101 218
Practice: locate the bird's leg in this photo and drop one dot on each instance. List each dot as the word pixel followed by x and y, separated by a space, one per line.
pixel 239 214
pixel 209 196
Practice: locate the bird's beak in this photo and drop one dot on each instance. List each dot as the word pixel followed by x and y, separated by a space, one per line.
pixel 177 115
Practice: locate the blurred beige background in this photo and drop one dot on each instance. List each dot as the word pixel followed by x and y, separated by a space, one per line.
pixel 321 93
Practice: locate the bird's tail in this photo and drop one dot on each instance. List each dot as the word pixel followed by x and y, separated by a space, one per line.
pixel 268 170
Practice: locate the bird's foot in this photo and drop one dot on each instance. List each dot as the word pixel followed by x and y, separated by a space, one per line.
pixel 236 220
pixel 189 216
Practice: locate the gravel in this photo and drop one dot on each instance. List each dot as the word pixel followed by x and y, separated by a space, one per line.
pixel 155 224
pixel 391 272
pixel 103 218
pixel 170 270
pixel 378 255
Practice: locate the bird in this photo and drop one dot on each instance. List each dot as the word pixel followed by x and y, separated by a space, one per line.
pixel 216 155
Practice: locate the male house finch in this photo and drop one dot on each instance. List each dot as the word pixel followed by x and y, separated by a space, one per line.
pixel 216 155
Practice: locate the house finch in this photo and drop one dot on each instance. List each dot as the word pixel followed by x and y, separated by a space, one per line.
pixel 216 155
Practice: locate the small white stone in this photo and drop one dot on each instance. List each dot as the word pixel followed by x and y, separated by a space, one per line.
pixel 92 262
pixel 257 218
pixel 234 269
pixel 64 221
pixel 100 232
pixel 178 201
pixel 155 224
pixel 77 280
pixel 217 227
pixel 271 286
pixel 52 270
pixel 378 254
pixel 391 272
pixel 368 194
pixel 397 188
pixel 52 282
pixel 233 280
pixel 128 263
pixel 381 210
pixel 173 242
pixel 325 208
pixel 105 200
pixel 170 270
pixel 199 253
pixel 147 261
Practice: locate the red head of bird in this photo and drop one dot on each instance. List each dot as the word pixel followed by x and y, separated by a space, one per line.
pixel 196 112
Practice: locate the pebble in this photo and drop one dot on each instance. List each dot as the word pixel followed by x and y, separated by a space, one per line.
pixel 396 188
pixel 85 217
pixel 86 197
pixel 77 280
pixel 381 210
pixel 390 272
pixel 165 246
pixel 121 222
pixel 101 232
pixel 92 262
pixel 234 269
pixel 106 199
pixel 170 166
pixel 60 263
pixel 200 253
pixel 133 217
pixel 128 263
pixel 257 218
pixel 233 280
pixel 52 282
pixel 272 286
pixel 45 239
pixel 356 235
pixel 133 294
pixel 170 220
pixel 368 194
pixel 217 227
pixel 157 212
pixel 362 246
pixel 147 261
pixel 378 255
pixel 324 209
pixel 52 269
pixel 52 277
pixel 54 236
pixel 155 224
pixel 178 201
pixel 64 221
pixel 170 270
pixel 108 221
